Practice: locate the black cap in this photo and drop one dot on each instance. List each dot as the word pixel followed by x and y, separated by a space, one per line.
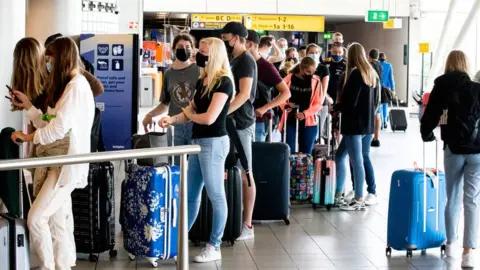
pixel 253 36
pixel 235 28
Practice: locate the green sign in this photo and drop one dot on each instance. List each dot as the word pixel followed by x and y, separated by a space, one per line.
pixel 377 16
pixel 327 36
pixel 261 32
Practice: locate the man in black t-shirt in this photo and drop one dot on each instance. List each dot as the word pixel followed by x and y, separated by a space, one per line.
pixel 336 66
pixel 244 69
pixel 373 58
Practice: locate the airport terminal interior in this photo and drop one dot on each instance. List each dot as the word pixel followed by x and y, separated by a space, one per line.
pixel 128 45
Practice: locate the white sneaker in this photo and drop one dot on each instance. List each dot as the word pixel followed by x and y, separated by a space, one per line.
pixel 349 197
pixel 452 251
pixel 371 200
pixel 468 260
pixel 247 233
pixel 354 206
pixel 339 201
pixel 208 254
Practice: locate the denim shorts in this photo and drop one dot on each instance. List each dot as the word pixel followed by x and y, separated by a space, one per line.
pixel 247 138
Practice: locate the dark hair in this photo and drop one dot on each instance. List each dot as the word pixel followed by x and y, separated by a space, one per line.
pixel 305 63
pixel 265 41
pixel 67 58
pixel 383 56
pixel 52 38
pixel 302 48
pixel 184 37
pixel 374 54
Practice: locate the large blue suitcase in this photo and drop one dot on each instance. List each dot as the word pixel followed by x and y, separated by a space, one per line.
pixel 416 213
pixel 150 212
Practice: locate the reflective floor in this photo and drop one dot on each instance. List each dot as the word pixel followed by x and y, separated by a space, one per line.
pixel 318 239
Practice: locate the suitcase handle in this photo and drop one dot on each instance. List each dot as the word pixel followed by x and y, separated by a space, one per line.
pixel 269 116
pixel 297 108
pixel 425 187
pixel 175 213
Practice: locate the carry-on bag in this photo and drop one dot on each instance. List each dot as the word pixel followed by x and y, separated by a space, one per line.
pixel 94 212
pixel 301 169
pixel 271 171
pixel 202 227
pixel 324 183
pixel 416 212
pixel 398 118
pixel 150 199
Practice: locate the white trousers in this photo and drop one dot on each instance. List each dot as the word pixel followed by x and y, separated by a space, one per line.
pixel 50 222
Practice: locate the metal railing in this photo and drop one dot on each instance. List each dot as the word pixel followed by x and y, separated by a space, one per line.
pixel 183 151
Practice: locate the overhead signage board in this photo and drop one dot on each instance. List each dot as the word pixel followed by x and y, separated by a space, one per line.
pixel 213 21
pixel 285 23
pixel 424 47
pixel 393 24
pixel 377 16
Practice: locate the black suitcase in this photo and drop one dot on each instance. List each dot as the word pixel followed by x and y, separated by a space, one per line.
pixel 398 119
pixel 202 227
pixel 271 171
pixel 94 212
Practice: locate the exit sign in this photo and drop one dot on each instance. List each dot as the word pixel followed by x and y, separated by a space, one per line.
pixel 377 16
pixel 327 36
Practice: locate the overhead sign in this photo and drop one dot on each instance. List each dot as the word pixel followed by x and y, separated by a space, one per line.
pixel 377 16
pixel 424 47
pixel 327 36
pixel 285 23
pixel 393 24
pixel 213 21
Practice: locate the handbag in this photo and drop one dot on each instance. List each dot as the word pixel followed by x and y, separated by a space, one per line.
pixel 151 140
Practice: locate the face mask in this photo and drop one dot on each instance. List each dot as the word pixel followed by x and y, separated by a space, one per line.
pixel 283 50
pixel 182 55
pixel 264 55
pixel 337 58
pixel 315 57
pixel 307 78
pixel 202 60
pixel 229 48
pixel 49 67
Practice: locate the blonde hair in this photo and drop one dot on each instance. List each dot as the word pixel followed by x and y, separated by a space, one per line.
pixel 218 65
pixel 358 59
pixel 457 61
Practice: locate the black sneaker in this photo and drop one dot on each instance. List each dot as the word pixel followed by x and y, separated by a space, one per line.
pixel 375 143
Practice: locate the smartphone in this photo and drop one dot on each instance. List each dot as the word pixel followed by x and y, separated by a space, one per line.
pixel 9 98
pixel 10 90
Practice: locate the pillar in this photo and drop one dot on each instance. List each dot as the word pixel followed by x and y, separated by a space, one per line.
pixel 48 17
pixel 12 29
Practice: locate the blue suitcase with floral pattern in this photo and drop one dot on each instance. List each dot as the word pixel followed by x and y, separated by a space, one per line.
pixel 150 203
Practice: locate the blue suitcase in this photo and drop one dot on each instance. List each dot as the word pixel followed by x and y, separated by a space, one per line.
pixel 416 212
pixel 150 212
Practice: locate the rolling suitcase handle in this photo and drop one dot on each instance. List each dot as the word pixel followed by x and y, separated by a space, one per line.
pixel 270 126
pixel 436 186
pixel 21 180
pixel 297 108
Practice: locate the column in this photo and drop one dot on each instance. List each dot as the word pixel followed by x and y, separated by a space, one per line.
pixel 48 17
pixel 12 29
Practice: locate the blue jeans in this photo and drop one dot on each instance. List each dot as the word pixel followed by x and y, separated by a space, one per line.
pixel 260 132
pixel 384 113
pixel 208 168
pixel 358 149
pixel 462 176
pixel 182 135
pixel 306 137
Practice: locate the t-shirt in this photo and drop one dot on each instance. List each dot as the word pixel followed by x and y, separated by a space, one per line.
pixel 178 86
pixel 336 70
pixel 267 73
pixel 322 72
pixel 202 102
pixel 301 91
pixel 245 66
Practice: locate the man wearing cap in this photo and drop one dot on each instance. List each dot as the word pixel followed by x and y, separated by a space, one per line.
pixel 244 70
pixel 268 78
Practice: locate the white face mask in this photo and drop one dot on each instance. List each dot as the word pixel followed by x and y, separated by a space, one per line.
pixel 315 57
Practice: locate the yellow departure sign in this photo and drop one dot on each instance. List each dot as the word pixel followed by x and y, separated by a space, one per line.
pixel 424 47
pixel 285 23
pixel 217 18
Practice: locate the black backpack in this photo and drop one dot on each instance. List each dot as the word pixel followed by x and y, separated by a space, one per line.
pixel 463 120
pixel 263 95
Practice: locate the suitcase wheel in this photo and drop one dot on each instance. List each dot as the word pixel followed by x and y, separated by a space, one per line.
pixel 388 252
pixel 424 252
pixel 329 207
pixel 314 206
pixel 93 258
pixel 287 221
pixel 113 253
pixel 409 253
pixel 196 243
pixel 442 249
pixel 232 242
pixel 153 262
pixel 131 257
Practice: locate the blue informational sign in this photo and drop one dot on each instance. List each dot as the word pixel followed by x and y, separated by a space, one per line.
pixel 116 60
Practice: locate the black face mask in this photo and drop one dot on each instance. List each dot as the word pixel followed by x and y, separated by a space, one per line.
pixel 229 48
pixel 201 60
pixel 292 59
pixel 307 78
pixel 182 54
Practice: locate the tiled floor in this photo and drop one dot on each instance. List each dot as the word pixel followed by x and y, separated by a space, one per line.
pixel 318 239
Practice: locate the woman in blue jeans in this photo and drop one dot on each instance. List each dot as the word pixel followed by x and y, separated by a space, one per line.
pixel 208 112
pixel 358 104
pixel 454 101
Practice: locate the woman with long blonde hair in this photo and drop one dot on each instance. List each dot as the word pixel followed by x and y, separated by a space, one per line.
pixel 358 104
pixel 208 112
pixel 455 103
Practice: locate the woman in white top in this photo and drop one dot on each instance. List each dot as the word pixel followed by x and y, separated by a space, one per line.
pixel 71 111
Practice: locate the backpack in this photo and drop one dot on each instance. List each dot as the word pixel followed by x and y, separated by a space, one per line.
pixel 263 95
pixel 463 121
